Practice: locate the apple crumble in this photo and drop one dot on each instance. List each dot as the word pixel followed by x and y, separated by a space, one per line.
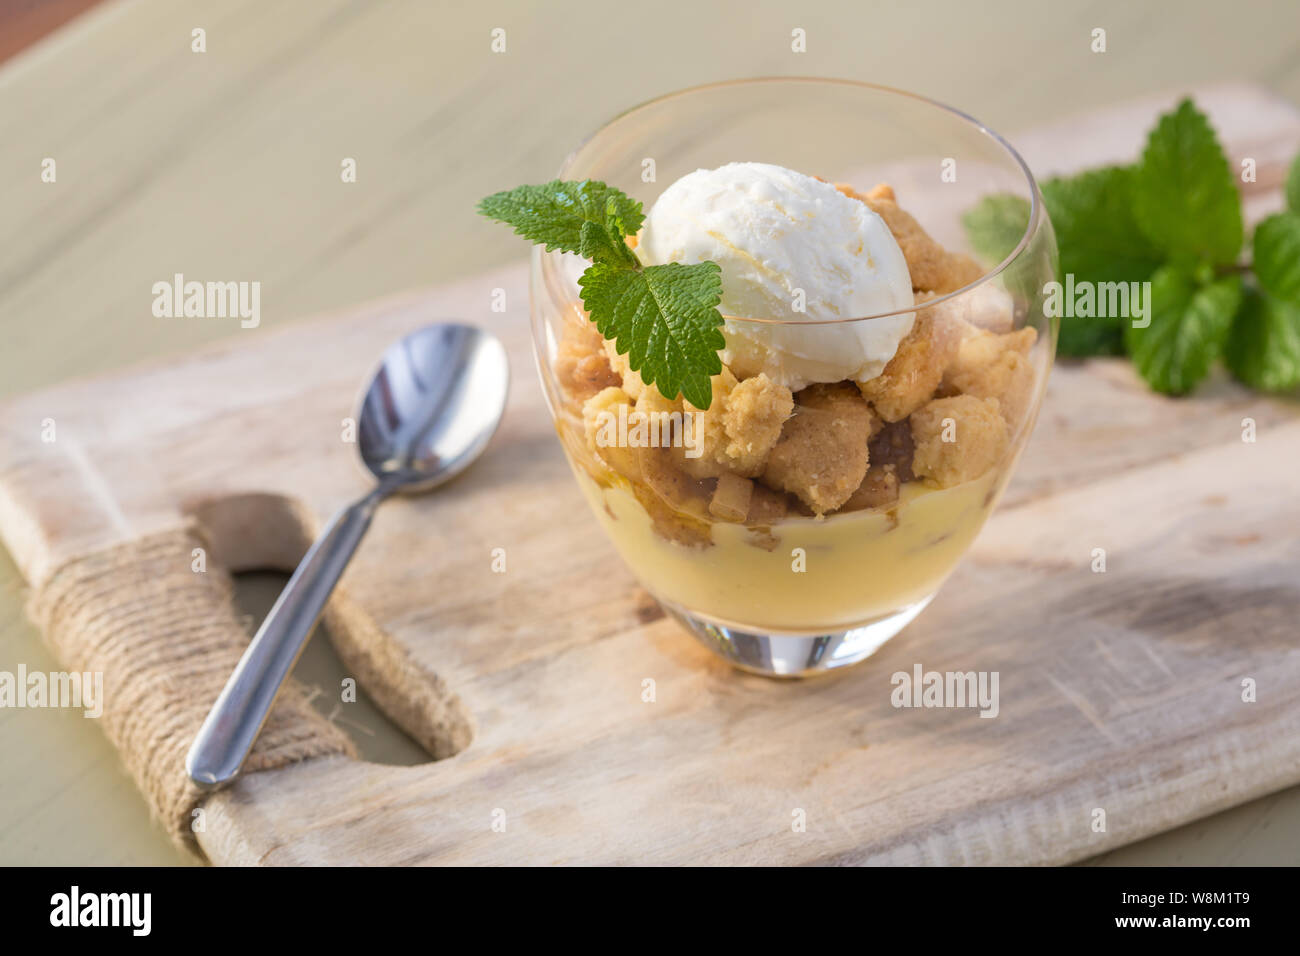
pixel 943 411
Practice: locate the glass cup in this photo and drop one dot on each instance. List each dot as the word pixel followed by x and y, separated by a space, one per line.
pixel 763 559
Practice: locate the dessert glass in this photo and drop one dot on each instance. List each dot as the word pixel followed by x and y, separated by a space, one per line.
pixel 779 588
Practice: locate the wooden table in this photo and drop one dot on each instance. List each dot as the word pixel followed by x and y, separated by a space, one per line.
pixel 227 163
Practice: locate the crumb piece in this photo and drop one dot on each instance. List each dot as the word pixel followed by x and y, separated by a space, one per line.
pixel 737 432
pixel 988 365
pixel 671 524
pixel 677 489
pixel 822 454
pixel 763 521
pixel 912 375
pixel 766 506
pixel 580 361
pixel 708 431
pixel 976 439
pixel 926 260
pixel 632 383
pixel 652 402
pixel 600 422
pixel 987 306
pixel 933 268
pixel 676 503
pixel 731 498
pixel 753 414
pixel 892 445
pixel 663 447
pixel 879 489
pixel 959 270
pixel 1022 340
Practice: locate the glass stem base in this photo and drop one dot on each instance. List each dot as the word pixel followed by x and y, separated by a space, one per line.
pixel 794 654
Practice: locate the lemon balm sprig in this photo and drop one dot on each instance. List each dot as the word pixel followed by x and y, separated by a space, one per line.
pixel 1173 219
pixel 664 318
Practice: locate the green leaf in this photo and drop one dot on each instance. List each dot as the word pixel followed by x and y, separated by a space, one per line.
pixel 1099 238
pixel 1099 241
pixel 1263 348
pixel 1293 187
pixel 1186 197
pixel 622 212
pixel 599 245
pixel 553 214
pixel 665 319
pixel 1187 330
pixel 995 224
pixel 1277 255
pixel 1081 337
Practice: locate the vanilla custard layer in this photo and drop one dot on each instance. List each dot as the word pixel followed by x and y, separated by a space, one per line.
pixel 859 565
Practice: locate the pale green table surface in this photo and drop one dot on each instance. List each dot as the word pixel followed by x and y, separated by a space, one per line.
pixel 226 163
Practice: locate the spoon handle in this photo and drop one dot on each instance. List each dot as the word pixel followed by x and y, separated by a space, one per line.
pixel 228 732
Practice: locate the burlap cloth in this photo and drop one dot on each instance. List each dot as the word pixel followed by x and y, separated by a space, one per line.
pixel 165 637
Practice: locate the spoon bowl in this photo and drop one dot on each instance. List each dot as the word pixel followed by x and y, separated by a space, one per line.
pixel 432 405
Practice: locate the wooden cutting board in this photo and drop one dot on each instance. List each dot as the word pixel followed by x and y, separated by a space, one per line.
pixel 1119 690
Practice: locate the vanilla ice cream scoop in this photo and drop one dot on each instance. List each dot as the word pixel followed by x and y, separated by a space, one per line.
pixel 790 247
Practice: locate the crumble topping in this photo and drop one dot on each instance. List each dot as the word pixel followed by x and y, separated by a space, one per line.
pixel 580 362
pixel 915 371
pixel 989 365
pixel 943 411
pixel 822 454
pixel 879 489
pixel 933 268
pixel 958 438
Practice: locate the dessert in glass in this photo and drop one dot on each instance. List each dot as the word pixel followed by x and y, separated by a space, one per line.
pixel 877 385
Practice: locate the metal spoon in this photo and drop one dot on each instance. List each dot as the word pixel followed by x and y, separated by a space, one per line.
pixel 428 412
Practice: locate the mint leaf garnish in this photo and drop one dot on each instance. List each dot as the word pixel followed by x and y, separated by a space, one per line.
pixel 1188 328
pixel 665 319
pixel 995 224
pixel 1277 255
pixel 1098 238
pixel 1264 348
pixel 553 214
pixel 1099 241
pixel 1174 219
pixel 1098 235
pixel 598 244
pixel 1185 198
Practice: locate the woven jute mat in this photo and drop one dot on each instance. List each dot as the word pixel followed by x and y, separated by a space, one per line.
pixel 165 637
